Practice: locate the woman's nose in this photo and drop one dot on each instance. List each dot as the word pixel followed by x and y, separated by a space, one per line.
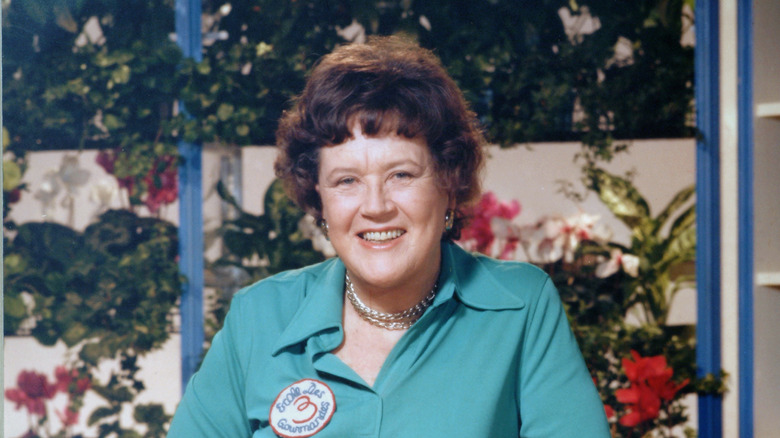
pixel 377 201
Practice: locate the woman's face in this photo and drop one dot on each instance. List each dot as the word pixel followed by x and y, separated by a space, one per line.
pixel 384 208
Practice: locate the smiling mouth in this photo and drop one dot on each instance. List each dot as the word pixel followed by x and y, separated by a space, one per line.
pixel 382 236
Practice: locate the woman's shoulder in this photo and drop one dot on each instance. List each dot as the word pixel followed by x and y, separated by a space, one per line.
pixel 281 294
pixel 510 280
pixel 511 270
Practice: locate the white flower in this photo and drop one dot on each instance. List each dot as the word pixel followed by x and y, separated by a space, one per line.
pixel 554 237
pixel 617 260
pixel 630 264
pixel 310 230
pixel 71 174
pixel 544 242
pixel 104 192
pixel 609 267
pixel 49 188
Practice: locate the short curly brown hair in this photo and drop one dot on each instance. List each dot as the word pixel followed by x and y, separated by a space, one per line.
pixel 387 84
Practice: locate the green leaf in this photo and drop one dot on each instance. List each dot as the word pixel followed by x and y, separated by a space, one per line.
pixel 14 264
pixel 224 111
pixel 74 333
pixel 36 10
pixel 12 175
pixel 621 197
pixel 681 247
pixel 92 352
pixel 101 413
pixel 13 306
pixel 204 67
pixel 685 221
pixel 46 332
pixel 242 130
pixel 676 203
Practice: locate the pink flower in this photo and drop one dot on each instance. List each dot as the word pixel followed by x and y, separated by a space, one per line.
pixel 32 392
pixel 491 220
pixel 65 378
pixel 69 417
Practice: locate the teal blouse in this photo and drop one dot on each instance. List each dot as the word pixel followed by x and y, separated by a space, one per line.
pixel 492 357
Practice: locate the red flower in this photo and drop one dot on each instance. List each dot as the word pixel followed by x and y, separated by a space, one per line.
pixel 106 160
pixel 14 196
pixel 651 384
pixel 643 404
pixel 34 388
pixel 161 183
pixel 609 411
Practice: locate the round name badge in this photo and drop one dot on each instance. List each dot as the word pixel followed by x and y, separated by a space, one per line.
pixel 302 409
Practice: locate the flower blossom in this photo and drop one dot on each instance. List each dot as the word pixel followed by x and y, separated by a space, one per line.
pixel 65 378
pixel 32 392
pixel 617 260
pixel 68 416
pixel 650 379
pixel 162 183
pixel 71 174
pixel 490 225
pixel 555 237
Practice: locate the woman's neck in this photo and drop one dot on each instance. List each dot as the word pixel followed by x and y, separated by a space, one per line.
pixel 394 298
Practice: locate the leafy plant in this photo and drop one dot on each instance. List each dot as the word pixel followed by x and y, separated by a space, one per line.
pixel 107 292
pixel 664 243
pixel 98 74
pixel 256 59
pixel 282 238
pixel 533 77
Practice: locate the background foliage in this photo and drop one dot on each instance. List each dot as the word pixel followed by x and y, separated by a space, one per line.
pixel 521 68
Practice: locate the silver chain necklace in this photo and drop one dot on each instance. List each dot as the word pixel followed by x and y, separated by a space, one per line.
pixel 390 321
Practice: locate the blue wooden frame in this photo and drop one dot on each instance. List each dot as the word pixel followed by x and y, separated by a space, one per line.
pixel 745 208
pixel 190 210
pixel 708 259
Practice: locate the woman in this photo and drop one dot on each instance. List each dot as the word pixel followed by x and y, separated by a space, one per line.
pixel 403 334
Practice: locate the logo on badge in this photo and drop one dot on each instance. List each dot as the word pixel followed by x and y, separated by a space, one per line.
pixel 302 409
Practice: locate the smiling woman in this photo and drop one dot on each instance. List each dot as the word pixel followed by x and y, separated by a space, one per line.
pixel 403 334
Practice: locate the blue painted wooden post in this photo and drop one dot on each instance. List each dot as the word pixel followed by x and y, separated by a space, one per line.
pixel 190 209
pixel 745 207
pixel 708 258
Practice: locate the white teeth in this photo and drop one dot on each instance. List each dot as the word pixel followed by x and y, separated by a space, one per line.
pixel 381 236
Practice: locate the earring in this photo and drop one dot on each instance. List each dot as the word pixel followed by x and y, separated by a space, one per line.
pixel 323 224
pixel 449 220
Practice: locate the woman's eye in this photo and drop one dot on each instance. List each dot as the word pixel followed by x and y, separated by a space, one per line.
pixel 402 175
pixel 346 181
